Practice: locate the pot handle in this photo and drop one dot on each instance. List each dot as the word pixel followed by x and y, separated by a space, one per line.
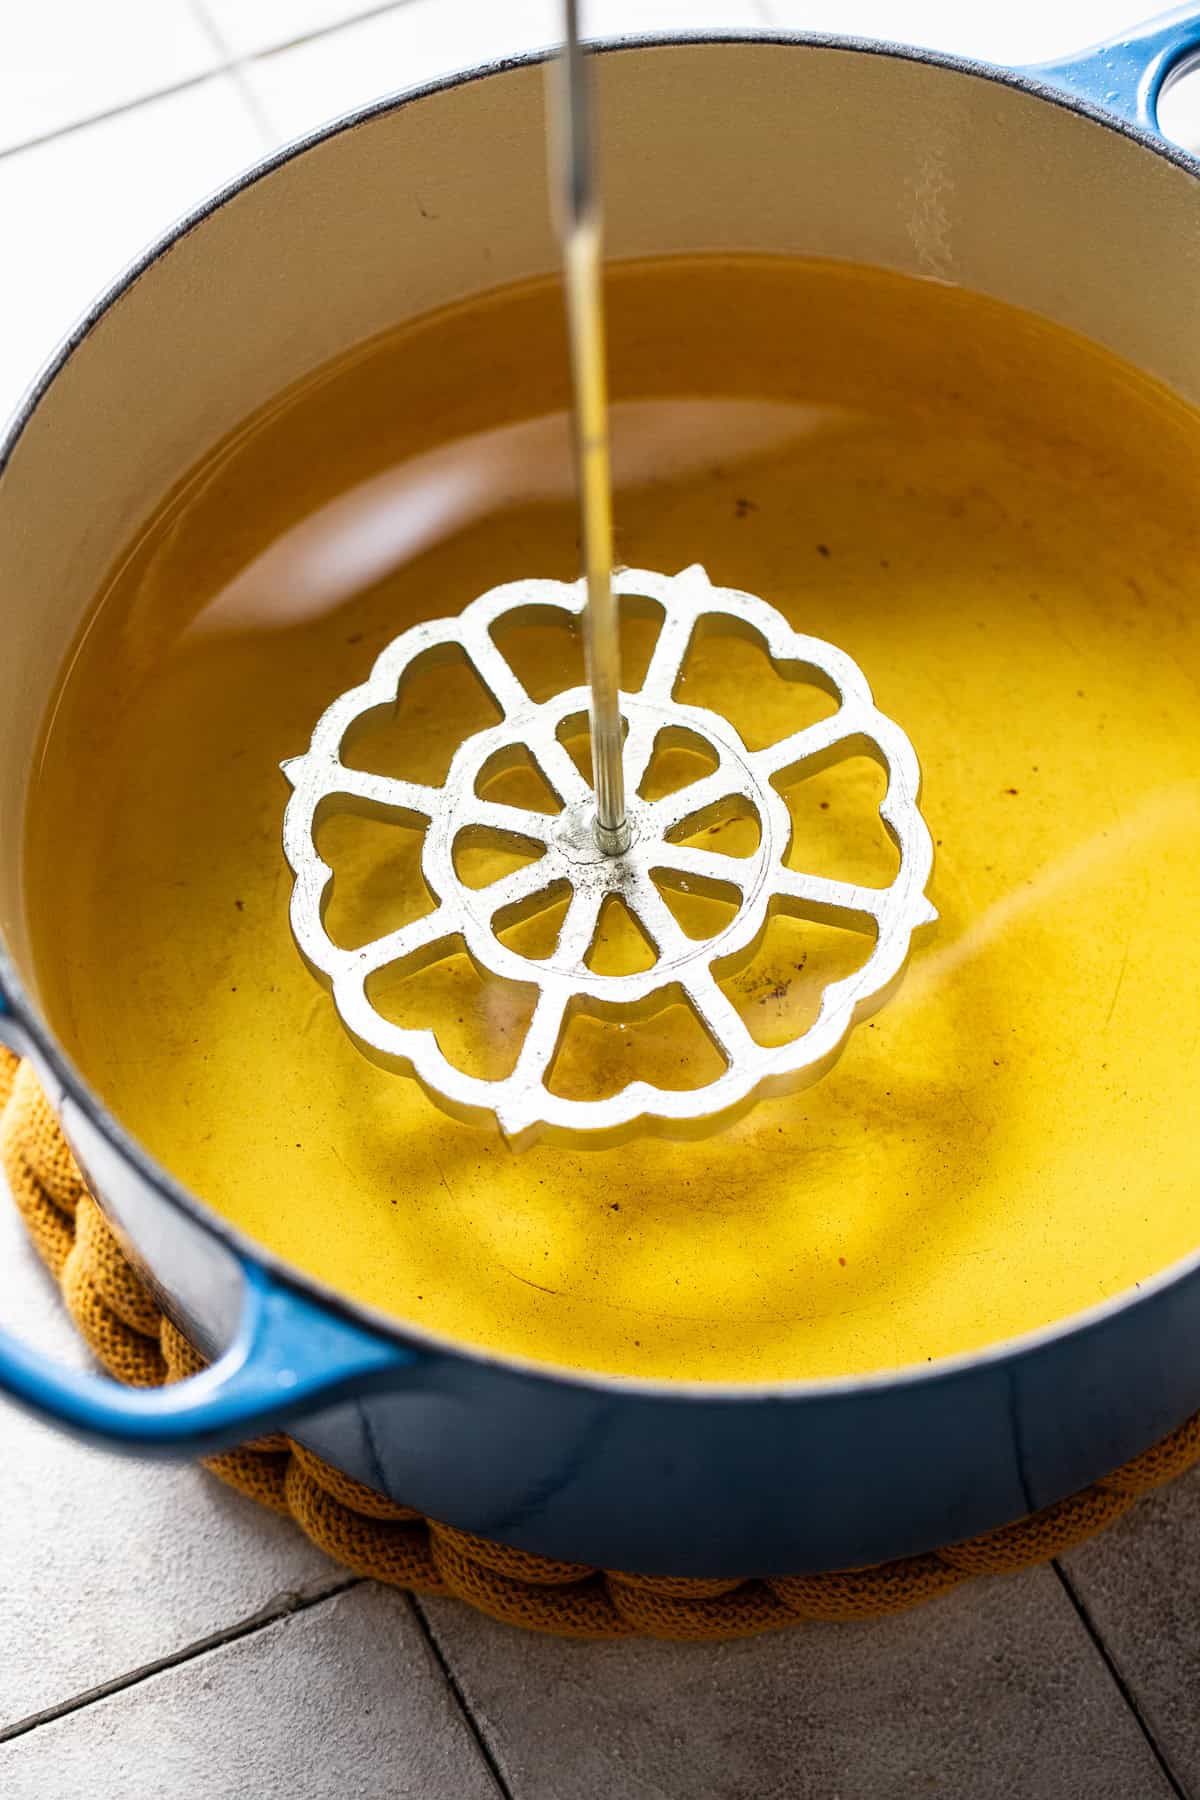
pixel 1125 76
pixel 288 1357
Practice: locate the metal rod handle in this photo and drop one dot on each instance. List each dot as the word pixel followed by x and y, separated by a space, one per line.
pixel 583 281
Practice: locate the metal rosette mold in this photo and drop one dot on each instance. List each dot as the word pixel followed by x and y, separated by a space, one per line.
pixel 523 1103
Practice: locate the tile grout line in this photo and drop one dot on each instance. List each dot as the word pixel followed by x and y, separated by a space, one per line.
pixel 289 1606
pixel 228 66
pixel 452 1682
pixel 1119 1682
pixel 112 112
pixel 376 11
pixel 235 68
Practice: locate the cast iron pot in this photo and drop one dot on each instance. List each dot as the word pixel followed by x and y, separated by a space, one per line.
pixel 1047 188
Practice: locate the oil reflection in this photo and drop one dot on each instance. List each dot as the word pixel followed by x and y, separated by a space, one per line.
pixel 1172 811
pixel 371 530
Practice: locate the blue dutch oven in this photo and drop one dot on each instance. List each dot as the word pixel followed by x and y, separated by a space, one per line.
pixel 1046 187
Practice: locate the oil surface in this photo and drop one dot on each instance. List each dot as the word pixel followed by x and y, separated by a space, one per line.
pixel 997 521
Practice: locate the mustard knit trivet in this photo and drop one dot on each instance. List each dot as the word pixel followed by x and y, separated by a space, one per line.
pixel 372 1536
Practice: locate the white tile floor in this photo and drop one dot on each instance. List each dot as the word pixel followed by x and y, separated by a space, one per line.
pixel 66 60
pixel 159 1635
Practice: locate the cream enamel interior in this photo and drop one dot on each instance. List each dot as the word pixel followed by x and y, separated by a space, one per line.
pixel 794 148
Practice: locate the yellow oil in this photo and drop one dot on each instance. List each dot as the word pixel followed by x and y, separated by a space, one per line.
pixel 996 520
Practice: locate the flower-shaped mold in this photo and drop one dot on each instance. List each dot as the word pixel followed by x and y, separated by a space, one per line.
pixel 570 863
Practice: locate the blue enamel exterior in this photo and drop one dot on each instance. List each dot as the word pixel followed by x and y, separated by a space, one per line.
pixel 551 1463
pixel 1125 76
pixel 288 1358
